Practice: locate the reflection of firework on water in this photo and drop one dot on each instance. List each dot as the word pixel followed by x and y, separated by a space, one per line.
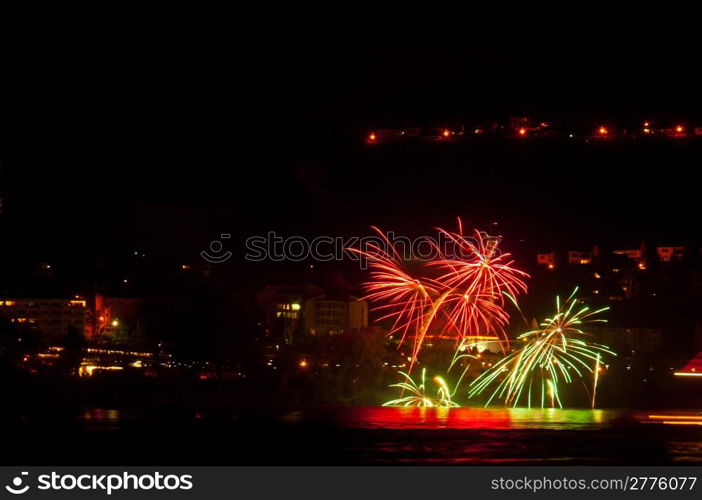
pixel 555 353
pixel 418 396
pixel 458 294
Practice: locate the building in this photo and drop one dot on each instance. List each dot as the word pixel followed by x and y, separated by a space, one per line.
pixel 283 310
pixel 637 255
pixel 623 258
pixel 293 312
pixel 51 317
pixel 668 254
pixel 113 313
pixel 547 260
pixel 629 341
pixel 325 315
pixel 580 258
pixel 631 288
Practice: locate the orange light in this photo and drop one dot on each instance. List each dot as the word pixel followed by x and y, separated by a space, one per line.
pixel 679 129
pixel 550 266
pixel 446 132
pixel 303 363
pixel 675 417
pixel 603 131
pixel 372 137
pixel 522 131
pixel 647 124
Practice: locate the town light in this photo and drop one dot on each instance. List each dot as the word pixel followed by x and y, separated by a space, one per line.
pixel 522 131
pixel 603 131
pixel 295 307
pixel 115 322
pixel 679 129
pixel 372 137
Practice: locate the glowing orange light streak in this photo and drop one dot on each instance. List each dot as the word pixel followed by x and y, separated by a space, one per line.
pixel 675 417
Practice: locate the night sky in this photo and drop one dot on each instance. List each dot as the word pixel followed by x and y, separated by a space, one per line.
pixel 161 128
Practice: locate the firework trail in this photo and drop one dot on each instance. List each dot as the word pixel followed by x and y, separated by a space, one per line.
pixel 459 293
pixel 555 353
pixel 418 396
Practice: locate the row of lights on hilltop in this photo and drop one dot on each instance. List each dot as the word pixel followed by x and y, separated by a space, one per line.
pixel 408 133
pixel 647 129
pixel 543 129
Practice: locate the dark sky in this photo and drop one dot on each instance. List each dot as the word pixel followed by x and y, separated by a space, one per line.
pixel 163 126
pixel 124 77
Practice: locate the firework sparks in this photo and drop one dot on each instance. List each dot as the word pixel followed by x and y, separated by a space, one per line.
pixel 482 269
pixel 557 352
pixel 418 396
pixel 459 294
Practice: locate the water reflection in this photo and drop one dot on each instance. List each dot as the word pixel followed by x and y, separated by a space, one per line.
pixel 100 414
pixel 100 419
pixel 382 435
pixel 477 418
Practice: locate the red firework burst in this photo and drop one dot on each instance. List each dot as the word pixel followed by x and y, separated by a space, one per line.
pixel 459 293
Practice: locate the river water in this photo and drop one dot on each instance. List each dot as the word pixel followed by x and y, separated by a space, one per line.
pixel 360 435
